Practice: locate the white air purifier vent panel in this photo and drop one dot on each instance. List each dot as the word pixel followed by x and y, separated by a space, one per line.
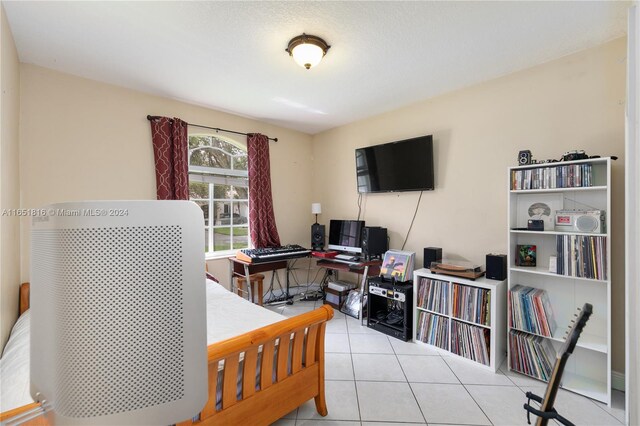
pixel 122 299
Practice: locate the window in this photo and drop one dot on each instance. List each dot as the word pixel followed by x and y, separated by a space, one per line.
pixel 219 184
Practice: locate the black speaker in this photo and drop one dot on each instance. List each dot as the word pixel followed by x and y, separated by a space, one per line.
pixel 432 254
pixel 374 241
pixel 497 267
pixel 317 236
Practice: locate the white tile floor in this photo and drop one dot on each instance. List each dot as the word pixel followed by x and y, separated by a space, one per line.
pixel 375 380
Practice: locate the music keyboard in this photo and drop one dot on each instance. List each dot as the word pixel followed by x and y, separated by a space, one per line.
pixel 270 254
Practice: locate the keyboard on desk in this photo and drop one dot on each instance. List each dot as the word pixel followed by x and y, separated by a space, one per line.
pixel 346 258
pixel 270 254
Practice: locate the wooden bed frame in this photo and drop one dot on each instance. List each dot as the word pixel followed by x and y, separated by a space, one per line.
pixel 298 368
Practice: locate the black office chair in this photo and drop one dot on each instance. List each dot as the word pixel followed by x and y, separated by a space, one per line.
pixel 546 411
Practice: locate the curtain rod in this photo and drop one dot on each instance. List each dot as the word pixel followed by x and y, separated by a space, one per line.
pixel 217 129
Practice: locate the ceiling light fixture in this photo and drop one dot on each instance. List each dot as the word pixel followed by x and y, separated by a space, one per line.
pixel 307 50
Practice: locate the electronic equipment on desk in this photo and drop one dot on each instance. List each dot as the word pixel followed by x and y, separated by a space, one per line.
pixel 347 260
pixel 326 254
pixel 374 242
pixel 348 257
pixel 345 235
pixel 270 254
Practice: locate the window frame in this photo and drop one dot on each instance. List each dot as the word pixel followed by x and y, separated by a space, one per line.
pixel 213 176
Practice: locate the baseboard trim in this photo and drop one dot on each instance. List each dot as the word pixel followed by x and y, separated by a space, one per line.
pixel 617 380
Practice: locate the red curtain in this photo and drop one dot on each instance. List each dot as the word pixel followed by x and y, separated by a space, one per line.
pixel 171 151
pixel 262 222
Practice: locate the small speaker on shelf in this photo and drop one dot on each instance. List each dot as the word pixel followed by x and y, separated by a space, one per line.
pixel 497 267
pixel 432 254
pixel 317 236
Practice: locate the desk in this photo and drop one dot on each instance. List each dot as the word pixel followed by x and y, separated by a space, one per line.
pixel 367 269
pixel 241 268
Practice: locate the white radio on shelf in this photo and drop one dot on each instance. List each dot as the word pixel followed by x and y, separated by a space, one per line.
pixel 580 221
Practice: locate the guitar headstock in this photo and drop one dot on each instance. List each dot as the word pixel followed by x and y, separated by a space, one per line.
pixel 577 326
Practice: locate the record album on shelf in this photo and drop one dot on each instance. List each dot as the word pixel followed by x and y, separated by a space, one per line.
pixel 397 265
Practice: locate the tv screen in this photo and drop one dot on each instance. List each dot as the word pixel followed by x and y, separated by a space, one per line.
pixel 396 166
pixel 345 235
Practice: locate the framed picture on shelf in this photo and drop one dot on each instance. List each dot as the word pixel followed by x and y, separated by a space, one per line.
pixel 538 206
pixel 525 255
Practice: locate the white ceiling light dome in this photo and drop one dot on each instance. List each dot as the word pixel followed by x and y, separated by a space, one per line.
pixel 307 50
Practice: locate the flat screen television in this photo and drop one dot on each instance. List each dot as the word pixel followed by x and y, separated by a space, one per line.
pixel 405 165
pixel 345 235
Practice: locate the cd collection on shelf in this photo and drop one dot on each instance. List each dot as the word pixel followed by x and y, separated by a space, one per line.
pixel 531 355
pixel 582 256
pixel 433 329
pixel 470 342
pixel 531 310
pixel 472 304
pixel 433 295
pixel 567 176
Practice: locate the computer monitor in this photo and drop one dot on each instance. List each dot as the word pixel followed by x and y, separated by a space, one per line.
pixel 346 235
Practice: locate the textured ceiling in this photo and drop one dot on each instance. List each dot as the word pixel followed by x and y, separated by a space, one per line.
pixel 230 55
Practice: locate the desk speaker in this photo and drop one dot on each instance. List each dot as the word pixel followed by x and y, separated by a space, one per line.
pixel 374 241
pixel 317 236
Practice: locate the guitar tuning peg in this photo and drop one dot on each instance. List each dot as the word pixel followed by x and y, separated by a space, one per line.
pixel 575 315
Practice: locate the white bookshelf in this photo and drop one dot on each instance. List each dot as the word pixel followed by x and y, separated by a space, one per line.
pixel 588 371
pixel 497 318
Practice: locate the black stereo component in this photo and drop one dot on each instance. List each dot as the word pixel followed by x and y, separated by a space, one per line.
pixel 374 241
pixel 432 254
pixel 524 157
pixel 535 225
pixel 390 309
pixel 497 267
pixel 317 236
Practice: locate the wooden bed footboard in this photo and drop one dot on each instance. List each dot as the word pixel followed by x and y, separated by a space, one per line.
pixel 257 377
pixel 280 367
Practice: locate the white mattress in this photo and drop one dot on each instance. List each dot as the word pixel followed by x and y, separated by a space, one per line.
pixel 227 315
pixel 14 367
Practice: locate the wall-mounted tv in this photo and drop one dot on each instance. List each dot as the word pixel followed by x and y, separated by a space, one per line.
pixel 405 165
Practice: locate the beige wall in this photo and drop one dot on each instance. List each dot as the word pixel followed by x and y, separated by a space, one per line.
pixel 576 102
pixel 9 180
pixel 83 140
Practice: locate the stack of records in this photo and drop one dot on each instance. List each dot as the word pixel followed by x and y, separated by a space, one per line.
pixel 531 355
